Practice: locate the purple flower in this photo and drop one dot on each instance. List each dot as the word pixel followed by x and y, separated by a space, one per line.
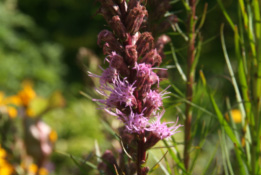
pixel 136 123
pixel 153 101
pixel 145 74
pixel 121 94
pixel 109 75
pixel 161 130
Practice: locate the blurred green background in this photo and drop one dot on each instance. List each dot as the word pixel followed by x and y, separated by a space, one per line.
pixel 49 41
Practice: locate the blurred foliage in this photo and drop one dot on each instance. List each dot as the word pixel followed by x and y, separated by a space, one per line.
pixel 25 54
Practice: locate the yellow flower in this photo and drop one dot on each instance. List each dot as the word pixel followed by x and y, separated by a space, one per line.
pixel 6 102
pixel 15 100
pixel 33 168
pixel 236 116
pixel 12 112
pixel 43 171
pixel 2 153
pixel 30 112
pixel 1 97
pixel 5 167
pixel 53 136
pixel 27 94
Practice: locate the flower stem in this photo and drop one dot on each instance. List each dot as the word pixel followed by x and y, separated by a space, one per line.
pixel 190 80
pixel 141 156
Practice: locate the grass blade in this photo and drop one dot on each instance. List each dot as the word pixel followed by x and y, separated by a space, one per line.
pixel 182 74
pixel 175 158
pixel 238 148
pixel 210 160
pixel 226 14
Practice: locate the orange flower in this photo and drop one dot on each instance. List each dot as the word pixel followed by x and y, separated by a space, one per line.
pixel 5 105
pixel 236 116
pixel 12 112
pixel 53 136
pixel 5 167
pixel 27 94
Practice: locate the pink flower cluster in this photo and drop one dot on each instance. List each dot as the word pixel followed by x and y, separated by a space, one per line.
pixel 129 84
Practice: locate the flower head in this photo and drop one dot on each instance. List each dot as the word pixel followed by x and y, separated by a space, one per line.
pixel 136 123
pixel 161 130
pixel 108 76
pixel 121 94
pixel 152 102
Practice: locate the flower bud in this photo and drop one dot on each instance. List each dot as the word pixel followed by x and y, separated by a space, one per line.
pixel 107 50
pixel 152 58
pixel 129 141
pixel 105 36
pixel 153 78
pixel 131 54
pixel 118 27
pixel 111 43
pixel 117 62
pixel 105 13
pixel 111 6
pixel 145 43
pixel 135 18
pixel 151 140
pixel 109 163
pixel 161 42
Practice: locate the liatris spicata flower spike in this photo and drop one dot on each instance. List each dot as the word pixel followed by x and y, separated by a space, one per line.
pixel 127 84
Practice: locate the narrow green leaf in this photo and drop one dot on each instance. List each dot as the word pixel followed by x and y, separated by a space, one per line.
pixel 175 27
pixel 226 14
pixel 175 158
pixel 244 13
pixel 197 55
pixel 177 90
pixel 184 100
pixel 211 158
pixel 108 128
pixel 238 149
pixel 231 120
pixel 238 95
pixel 174 1
pixel 182 74
pixel 223 153
pixel 77 161
pixel 203 17
pixel 226 153
pixel 97 151
pixel 159 164
pixel 231 73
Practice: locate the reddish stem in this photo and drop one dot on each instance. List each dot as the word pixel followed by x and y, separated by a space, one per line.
pixel 190 80
pixel 141 155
